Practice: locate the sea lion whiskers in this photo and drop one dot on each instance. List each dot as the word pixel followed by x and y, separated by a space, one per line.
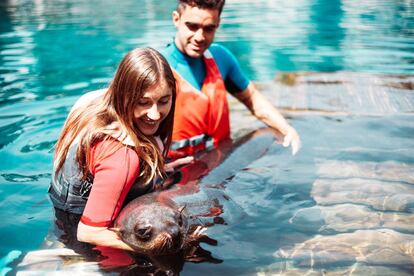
pixel 164 243
pixel 194 234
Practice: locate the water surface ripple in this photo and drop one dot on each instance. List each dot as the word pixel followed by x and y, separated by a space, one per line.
pixel 343 204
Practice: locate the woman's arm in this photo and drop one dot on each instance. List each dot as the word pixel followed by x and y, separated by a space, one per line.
pixel 100 236
pixel 114 174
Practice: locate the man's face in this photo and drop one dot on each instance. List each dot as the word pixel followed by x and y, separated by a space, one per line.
pixel 195 29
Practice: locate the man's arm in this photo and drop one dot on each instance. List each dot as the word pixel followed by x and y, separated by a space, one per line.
pixel 260 107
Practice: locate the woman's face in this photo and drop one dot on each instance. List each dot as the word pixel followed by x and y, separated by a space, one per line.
pixel 153 107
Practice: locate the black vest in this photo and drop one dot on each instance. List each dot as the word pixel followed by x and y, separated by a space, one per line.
pixel 69 192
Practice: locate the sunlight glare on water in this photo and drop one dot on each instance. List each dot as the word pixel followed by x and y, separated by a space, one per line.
pixel 294 208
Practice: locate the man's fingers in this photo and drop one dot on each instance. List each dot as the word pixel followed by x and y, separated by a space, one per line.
pixel 296 146
pixel 292 139
pixel 183 161
pixel 179 162
pixel 286 141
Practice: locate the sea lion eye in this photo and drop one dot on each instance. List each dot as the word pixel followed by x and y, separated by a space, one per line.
pixel 143 233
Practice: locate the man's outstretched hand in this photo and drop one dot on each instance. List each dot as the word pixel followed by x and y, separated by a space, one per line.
pixel 292 139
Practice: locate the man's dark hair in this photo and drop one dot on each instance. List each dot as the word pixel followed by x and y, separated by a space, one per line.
pixel 201 4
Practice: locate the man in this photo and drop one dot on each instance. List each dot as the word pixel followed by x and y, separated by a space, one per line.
pixel 204 73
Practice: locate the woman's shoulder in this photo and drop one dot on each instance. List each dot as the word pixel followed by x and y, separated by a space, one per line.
pixel 109 146
pixel 114 153
pixel 88 97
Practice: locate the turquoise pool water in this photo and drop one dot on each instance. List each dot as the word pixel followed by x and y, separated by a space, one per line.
pixel 51 52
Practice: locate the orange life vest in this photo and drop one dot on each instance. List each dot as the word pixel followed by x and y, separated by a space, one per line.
pixel 201 117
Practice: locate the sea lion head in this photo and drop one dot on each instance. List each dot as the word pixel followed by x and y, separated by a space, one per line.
pixel 153 225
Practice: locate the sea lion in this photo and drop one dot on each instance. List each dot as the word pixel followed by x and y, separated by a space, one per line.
pixel 158 223
pixel 153 224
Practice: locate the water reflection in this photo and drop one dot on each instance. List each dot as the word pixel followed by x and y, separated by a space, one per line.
pixel 77 44
pixel 53 51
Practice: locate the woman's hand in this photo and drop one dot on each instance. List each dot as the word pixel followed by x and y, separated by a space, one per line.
pixel 102 236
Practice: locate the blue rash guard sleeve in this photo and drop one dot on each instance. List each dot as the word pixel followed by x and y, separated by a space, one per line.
pixel 193 70
pixel 230 70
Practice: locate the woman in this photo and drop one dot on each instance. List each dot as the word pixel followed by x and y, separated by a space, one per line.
pixel 113 145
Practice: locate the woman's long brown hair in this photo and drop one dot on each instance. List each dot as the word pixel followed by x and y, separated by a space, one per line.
pixel 140 70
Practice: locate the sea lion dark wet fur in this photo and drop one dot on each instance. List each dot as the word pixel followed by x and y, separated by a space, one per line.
pixel 153 224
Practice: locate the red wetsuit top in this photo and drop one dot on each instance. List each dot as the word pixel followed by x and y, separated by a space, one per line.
pixel 201 113
pixel 113 176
